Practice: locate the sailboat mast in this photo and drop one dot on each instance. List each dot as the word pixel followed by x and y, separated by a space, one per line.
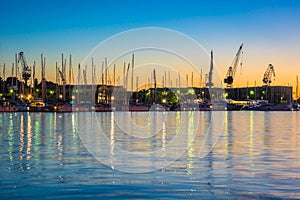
pixel 105 71
pixel 114 74
pixel 297 87
pixel 70 70
pixel 132 67
pixel 209 83
pixel 43 61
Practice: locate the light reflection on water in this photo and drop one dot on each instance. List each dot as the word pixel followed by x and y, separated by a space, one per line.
pixel 257 156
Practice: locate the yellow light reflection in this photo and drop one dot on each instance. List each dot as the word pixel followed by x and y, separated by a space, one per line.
pixel 251 138
pixel 51 130
pixel 29 137
pixel 21 136
pixel 73 124
pixel 178 121
pixel 54 123
pixel 36 138
pixel 112 139
pixel 75 133
pixel 191 136
pixel 60 147
pixel 226 140
pixel 163 140
pixel 10 137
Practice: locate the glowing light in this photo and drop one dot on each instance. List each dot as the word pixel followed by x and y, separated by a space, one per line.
pixel 191 91
pixel 251 92
pixel 191 132
pixel 29 97
pixel 112 139
pixel 51 92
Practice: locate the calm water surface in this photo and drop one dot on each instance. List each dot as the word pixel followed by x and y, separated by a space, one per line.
pixel 256 156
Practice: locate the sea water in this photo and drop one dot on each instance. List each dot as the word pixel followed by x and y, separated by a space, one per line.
pixel 242 154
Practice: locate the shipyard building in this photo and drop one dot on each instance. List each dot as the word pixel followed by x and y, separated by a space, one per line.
pixel 273 94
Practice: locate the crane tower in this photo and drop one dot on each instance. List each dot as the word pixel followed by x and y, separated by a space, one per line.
pixel 232 69
pixel 26 70
pixel 267 79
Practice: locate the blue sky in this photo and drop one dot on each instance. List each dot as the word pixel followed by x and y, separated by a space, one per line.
pixel 270 30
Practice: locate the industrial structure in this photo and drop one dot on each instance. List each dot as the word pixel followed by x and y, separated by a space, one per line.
pixel 270 72
pixel 271 94
pixel 232 69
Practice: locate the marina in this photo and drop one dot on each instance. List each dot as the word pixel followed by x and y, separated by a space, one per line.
pixel 23 92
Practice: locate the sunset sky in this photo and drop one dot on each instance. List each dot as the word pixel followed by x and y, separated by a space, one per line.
pixel 269 29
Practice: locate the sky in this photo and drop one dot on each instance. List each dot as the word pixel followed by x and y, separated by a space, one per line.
pixel 269 29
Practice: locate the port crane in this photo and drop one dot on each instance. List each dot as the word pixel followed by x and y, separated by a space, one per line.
pixel 267 79
pixel 232 69
pixel 26 70
pixel 64 82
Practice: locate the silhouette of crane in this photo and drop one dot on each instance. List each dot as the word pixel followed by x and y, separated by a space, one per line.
pixel 232 69
pixel 267 79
